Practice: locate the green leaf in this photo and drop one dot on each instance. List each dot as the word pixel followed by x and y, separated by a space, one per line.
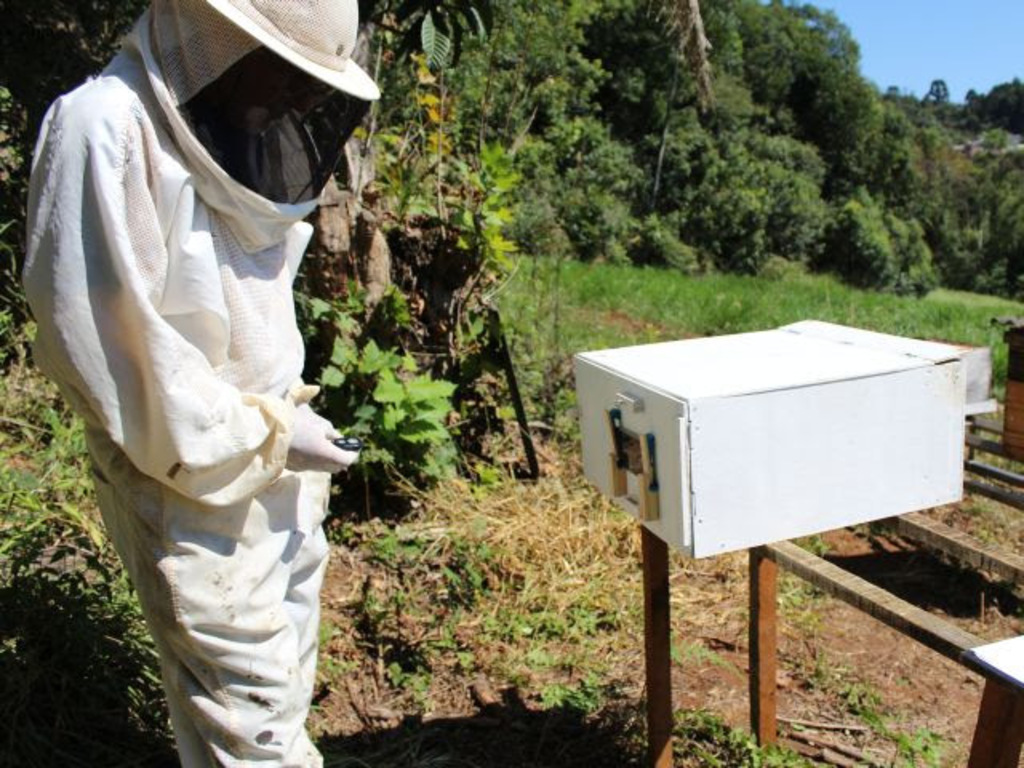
pixel 376 455
pixel 331 378
pixel 436 44
pixel 389 389
pixel 342 354
pixel 365 414
pixel 393 416
pixel 421 431
pixel 423 388
pixel 475 20
pixel 375 360
pixel 318 307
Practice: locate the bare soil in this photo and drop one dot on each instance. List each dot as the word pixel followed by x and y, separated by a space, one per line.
pixel 838 667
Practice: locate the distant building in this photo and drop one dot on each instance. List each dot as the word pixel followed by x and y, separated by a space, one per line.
pixel 1010 142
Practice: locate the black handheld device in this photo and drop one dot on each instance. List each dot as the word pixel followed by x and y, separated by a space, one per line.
pixel 353 444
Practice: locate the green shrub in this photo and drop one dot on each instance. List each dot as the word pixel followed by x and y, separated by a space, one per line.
pixel 870 248
pixel 378 395
pixel 779 269
pixel 657 242
pixel 589 179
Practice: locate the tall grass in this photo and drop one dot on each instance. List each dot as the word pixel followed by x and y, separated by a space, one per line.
pixel 559 308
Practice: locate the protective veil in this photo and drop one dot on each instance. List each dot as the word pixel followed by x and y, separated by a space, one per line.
pixel 275 129
pixel 162 289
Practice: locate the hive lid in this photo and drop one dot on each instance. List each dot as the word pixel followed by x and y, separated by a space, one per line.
pixel 798 355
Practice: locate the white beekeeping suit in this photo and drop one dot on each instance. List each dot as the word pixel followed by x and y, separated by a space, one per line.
pixel 165 229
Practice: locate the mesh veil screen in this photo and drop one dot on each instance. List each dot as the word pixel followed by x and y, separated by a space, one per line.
pixel 195 45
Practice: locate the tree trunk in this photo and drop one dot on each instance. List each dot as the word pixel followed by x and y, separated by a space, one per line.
pixel 348 247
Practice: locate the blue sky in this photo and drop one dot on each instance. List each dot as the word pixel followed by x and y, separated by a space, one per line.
pixel 909 43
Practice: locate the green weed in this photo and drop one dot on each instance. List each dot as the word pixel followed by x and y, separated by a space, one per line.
pixel 702 739
pixel 923 747
pixel 698 653
pixel 863 702
pixel 586 697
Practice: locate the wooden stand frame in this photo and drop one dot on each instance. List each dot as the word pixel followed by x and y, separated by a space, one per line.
pixel 999 735
pixel 763 646
pixel 657 647
pixel 998 738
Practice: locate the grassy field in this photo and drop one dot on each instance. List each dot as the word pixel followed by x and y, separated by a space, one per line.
pixel 560 309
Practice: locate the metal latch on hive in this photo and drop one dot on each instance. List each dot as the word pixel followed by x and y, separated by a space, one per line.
pixel 633 454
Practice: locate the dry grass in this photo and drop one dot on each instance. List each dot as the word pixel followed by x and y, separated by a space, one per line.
pixel 559 544
pixel 564 551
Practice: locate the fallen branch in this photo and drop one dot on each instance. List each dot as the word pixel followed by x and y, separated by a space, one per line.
pixel 829 746
pixel 382 712
pixel 835 758
pixel 849 727
pixel 822 755
pixel 483 694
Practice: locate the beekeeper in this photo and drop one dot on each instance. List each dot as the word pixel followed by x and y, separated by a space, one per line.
pixel 165 229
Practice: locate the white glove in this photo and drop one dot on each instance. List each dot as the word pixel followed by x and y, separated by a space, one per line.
pixel 312 449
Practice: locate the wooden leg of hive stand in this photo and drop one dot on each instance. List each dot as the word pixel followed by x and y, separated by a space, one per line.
pixel 657 647
pixel 1000 731
pixel 763 646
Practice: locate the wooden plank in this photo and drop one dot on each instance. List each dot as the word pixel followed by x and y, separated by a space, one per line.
pixel 1013 414
pixel 986 425
pixel 1015 392
pixel 976 363
pixel 999 734
pixel 962 547
pixel 995 473
pixel 995 492
pixel 657 647
pixel 1013 445
pixel 940 636
pixel 986 446
pixel 763 646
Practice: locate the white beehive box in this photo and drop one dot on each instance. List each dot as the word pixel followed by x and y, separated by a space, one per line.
pixel 730 442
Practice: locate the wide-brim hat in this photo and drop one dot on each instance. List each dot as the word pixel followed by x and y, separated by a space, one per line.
pixel 317 36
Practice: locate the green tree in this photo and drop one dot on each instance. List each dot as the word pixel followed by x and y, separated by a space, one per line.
pixel 872 248
pixel 1002 107
pixel 938 93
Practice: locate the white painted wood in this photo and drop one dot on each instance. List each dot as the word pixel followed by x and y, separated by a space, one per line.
pixel 933 351
pixel 768 436
pixel 978 365
pixel 977 360
pixel 1004 659
pixel 978 408
pixel 747 363
pixel 799 461
pixel 666 418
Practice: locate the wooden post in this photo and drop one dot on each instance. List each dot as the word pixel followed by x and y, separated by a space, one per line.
pixel 657 647
pixel 763 646
pixel 999 734
pixel 1013 419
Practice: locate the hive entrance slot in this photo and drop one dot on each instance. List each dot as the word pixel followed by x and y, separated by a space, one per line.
pixel 634 454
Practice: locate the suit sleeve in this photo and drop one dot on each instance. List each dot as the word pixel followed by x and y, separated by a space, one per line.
pixel 96 264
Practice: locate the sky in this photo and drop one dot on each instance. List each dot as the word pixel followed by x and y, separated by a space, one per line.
pixel 910 43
